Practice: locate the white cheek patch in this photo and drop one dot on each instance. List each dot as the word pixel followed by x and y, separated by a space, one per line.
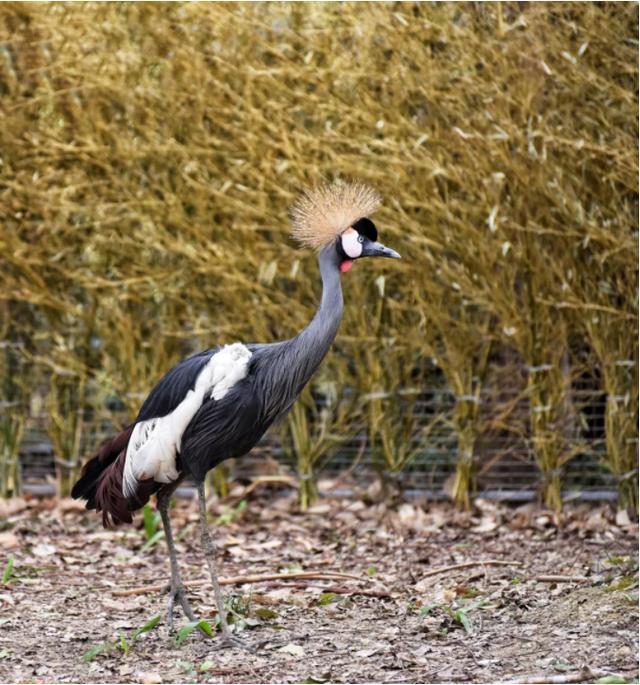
pixel 350 244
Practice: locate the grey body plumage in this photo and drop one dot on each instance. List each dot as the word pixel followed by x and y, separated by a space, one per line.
pixel 277 374
pixel 217 404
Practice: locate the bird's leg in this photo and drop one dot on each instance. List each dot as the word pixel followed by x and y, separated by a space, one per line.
pixel 209 553
pixel 177 590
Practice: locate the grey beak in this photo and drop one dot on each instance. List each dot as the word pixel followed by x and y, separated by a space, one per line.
pixel 379 250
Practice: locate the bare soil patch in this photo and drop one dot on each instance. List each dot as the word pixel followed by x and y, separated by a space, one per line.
pixel 401 623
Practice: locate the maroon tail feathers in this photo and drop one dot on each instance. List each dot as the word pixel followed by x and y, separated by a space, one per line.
pixel 101 483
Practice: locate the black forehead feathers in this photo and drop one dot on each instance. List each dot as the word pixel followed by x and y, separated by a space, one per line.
pixel 367 228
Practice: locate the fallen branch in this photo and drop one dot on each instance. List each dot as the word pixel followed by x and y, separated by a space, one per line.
pixel 586 673
pixel 240 580
pixel 562 579
pixel 339 590
pixel 468 564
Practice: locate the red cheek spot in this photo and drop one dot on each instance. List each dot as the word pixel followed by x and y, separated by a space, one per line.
pixel 346 265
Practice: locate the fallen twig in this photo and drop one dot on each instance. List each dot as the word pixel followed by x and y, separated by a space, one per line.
pixel 467 564
pixel 562 579
pixel 584 674
pixel 339 590
pixel 240 580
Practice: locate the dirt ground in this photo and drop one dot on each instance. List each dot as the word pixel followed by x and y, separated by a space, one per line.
pixel 407 618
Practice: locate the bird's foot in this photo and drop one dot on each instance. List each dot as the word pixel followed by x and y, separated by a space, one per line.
pixel 179 593
pixel 228 640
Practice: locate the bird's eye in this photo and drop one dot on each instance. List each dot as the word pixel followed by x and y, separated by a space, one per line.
pixel 361 239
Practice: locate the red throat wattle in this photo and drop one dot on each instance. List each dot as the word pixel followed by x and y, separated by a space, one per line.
pixel 346 265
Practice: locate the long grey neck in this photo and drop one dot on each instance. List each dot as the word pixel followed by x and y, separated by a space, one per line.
pixel 314 341
pixel 294 361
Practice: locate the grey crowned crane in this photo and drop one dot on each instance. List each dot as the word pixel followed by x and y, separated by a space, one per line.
pixel 217 404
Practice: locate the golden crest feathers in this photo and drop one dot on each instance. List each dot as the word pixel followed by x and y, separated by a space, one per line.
pixel 318 216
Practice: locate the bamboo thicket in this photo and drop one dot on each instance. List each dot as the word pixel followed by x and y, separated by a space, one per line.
pixel 149 154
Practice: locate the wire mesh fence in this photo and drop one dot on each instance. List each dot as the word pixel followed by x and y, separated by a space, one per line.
pixel 505 462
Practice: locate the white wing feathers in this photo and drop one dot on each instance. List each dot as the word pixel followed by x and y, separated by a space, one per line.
pixel 154 444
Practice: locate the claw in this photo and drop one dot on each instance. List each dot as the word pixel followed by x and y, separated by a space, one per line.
pixel 180 594
pixel 229 641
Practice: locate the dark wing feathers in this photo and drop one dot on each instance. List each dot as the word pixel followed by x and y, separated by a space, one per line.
pixel 101 482
pixel 173 387
pixel 222 429
pixel 93 469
